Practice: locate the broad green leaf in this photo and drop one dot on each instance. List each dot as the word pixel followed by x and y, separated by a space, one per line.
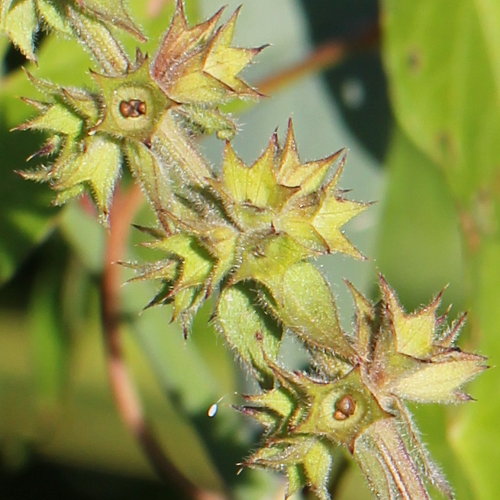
pixel 476 434
pixel 46 325
pixel 444 73
pixel 84 235
pixel 419 248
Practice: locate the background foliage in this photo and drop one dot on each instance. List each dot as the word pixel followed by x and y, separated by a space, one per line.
pixel 420 112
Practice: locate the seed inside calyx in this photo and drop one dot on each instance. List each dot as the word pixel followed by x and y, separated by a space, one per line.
pixel 132 108
pixel 344 407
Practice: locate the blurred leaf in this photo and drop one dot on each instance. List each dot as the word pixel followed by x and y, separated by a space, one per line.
pixel 85 235
pixel 358 83
pixel 352 484
pixel 476 435
pixel 419 249
pixel 25 212
pixel 447 99
pixel 419 246
pixel 47 331
pixel 420 252
pixel 445 85
pixel 436 423
pixel 191 383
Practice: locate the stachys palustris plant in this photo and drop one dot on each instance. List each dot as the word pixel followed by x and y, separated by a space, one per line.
pixel 246 235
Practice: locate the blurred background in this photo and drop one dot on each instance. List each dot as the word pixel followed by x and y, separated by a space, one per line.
pixel 412 89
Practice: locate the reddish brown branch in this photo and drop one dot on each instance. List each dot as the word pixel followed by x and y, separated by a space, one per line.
pixel 129 406
pixel 324 56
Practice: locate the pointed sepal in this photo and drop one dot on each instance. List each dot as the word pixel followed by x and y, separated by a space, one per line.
pixel 197 65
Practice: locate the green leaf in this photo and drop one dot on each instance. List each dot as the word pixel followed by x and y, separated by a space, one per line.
pixel 419 247
pixel 476 433
pixel 46 324
pixel 446 95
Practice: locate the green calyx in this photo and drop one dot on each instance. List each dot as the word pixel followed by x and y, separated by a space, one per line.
pixel 138 104
pixel 132 104
pixel 338 410
pixel 82 159
pixel 87 155
pixel 261 223
pixel 411 356
pixel 360 403
pixel 197 65
pixel 282 195
pixel 305 418
pixel 22 19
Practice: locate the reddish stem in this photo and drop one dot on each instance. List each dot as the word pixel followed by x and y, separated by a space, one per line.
pixel 125 205
pixel 324 56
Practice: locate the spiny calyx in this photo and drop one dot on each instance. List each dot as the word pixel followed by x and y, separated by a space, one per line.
pixel 197 65
pixel 252 223
pixel 132 105
pixel 21 20
pixel 304 415
pixel 411 356
pixel 399 357
pixel 159 105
